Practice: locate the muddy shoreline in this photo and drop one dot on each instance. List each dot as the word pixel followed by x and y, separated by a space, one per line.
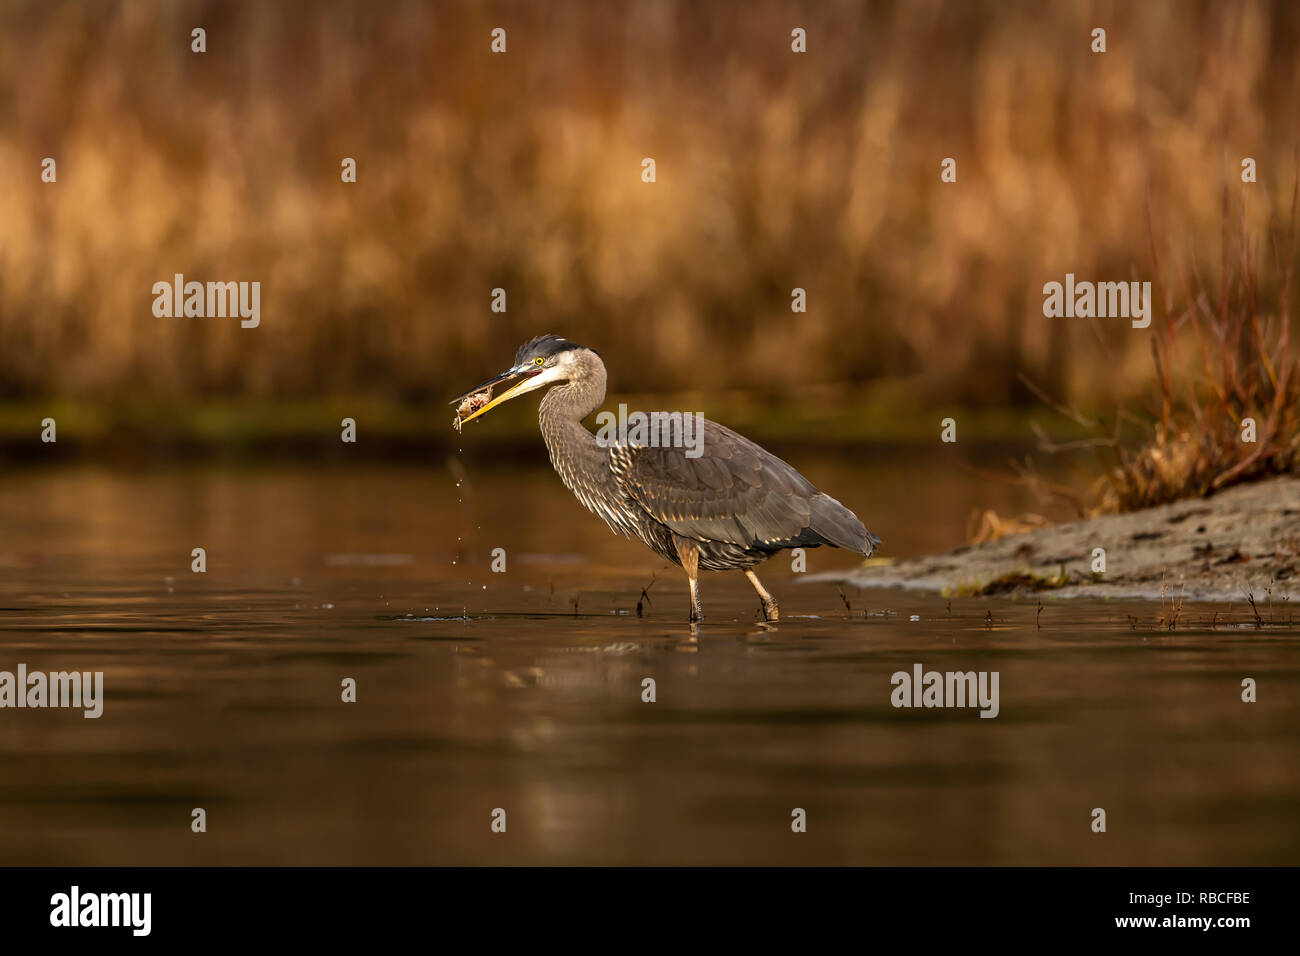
pixel 1245 540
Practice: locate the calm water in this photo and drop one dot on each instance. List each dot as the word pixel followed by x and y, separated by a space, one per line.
pixel 522 690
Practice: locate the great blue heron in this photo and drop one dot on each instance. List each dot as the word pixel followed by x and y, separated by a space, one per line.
pixel 730 508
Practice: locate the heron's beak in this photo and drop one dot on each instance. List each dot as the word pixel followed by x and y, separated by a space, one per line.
pixel 523 379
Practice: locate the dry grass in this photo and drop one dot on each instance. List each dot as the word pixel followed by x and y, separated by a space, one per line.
pixel 775 171
pixel 987 525
pixel 1246 369
pixel 1222 356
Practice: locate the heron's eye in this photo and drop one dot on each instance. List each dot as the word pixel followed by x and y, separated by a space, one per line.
pixel 539 361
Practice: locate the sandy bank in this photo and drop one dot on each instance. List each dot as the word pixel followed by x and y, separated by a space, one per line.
pixel 1245 539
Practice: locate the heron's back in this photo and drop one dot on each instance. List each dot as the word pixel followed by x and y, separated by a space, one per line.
pixel 736 497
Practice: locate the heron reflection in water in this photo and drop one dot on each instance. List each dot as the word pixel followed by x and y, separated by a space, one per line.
pixel 728 509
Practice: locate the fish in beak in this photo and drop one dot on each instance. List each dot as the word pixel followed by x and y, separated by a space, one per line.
pixel 479 400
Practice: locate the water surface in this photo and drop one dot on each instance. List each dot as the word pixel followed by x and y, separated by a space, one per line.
pixel 522 690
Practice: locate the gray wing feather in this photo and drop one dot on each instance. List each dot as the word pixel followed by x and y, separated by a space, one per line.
pixel 736 492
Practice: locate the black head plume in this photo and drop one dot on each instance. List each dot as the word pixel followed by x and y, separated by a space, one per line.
pixel 544 346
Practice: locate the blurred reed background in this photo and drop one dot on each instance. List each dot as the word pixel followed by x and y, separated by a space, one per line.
pixel 522 171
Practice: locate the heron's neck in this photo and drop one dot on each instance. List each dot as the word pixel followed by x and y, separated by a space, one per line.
pixel 581 462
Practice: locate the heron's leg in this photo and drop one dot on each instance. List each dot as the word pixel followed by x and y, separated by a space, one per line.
pixel 771 610
pixel 697 610
pixel 690 557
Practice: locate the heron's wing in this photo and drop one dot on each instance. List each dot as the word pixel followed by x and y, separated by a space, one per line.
pixel 737 492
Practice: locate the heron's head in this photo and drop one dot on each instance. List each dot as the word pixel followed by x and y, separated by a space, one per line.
pixel 544 361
